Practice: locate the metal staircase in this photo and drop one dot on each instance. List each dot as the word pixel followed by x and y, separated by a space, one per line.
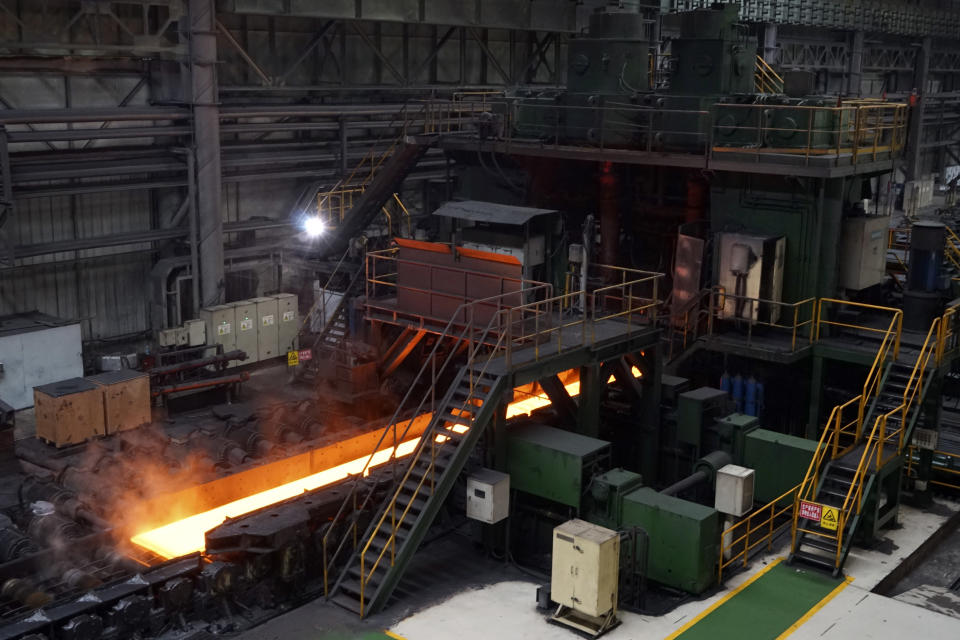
pixel 390 542
pixel 842 479
pixel 457 393
pixel 378 557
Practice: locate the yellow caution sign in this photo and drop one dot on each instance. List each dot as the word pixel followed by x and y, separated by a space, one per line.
pixel 829 518
pixel 293 359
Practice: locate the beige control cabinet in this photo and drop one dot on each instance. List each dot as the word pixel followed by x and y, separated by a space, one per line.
pixel 247 330
pixel 220 324
pixel 268 339
pixel 586 564
pixel 289 321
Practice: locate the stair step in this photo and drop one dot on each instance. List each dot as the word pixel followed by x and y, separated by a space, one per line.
pixel 347 602
pixel 814 559
pixel 464 420
pixel 820 543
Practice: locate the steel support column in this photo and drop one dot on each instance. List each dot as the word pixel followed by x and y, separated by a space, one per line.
pixel 855 70
pixel 591 393
pixel 206 135
pixel 7 204
pixel 770 43
pixel 913 167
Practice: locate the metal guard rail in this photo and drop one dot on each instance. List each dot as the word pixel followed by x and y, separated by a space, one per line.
pixel 878 441
pixel 718 303
pixel 506 343
pixel 466 332
pixel 470 333
pixel 761 521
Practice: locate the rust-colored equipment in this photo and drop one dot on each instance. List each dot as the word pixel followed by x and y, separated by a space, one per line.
pixel 69 411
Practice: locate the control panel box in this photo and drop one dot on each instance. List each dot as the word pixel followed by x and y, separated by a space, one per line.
pixel 586 565
pixel 734 490
pixel 220 322
pixel 289 319
pixel 196 332
pixel 268 338
pixel 247 332
pixel 488 496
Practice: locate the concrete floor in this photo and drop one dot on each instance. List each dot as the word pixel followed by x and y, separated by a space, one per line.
pixel 499 602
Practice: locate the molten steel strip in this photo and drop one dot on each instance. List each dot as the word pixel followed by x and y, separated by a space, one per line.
pixel 187 535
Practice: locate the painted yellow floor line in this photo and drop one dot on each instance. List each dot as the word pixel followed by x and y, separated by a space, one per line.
pixel 395 636
pixel 809 614
pixel 703 614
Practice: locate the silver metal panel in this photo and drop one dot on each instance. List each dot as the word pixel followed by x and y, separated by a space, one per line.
pixel 446 12
pixel 686 271
pixel 479 211
pixel 37 358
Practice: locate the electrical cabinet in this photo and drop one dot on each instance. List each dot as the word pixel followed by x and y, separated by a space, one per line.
pixel 750 270
pixel 734 494
pixel 268 339
pixel 586 565
pixel 172 337
pixel 220 322
pixel 196 332
pixel 863 251
pixel 289 321
pixel 247 340
pixel 488 496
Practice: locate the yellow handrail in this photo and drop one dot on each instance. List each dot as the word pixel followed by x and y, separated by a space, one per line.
pixel 767 516
pixel 626 304
pixel 882 443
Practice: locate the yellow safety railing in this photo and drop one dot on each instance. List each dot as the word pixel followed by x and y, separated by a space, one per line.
pixel 629 297
pixel 858 130
pixel 766 79
pixel 953 469
pixel 885 441
pixel 952 248
pixel 894 329
pixel 758 528
pixel 798 315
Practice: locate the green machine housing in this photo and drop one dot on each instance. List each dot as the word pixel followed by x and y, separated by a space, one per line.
pixel 683 538
pixel 683 535
pixel 552 463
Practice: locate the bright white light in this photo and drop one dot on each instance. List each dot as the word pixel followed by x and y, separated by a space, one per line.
pixel 313 226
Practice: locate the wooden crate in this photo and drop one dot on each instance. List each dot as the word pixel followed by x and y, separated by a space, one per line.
pixel 69 411
pixel 126 399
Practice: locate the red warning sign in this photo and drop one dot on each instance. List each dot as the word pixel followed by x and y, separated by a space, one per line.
pixel 810 510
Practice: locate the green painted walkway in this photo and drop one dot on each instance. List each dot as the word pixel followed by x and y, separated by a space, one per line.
pixel 765 607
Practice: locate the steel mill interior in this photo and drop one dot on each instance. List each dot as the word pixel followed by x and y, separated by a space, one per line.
pixel 435 319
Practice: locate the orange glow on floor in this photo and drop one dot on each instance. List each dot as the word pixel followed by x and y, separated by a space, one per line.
pixel 187 535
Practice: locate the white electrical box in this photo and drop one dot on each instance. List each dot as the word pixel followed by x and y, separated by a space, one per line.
pixel 268 338
pixel 488 496
pixel 196 332
pixel 734 495
pixel 289 320
pixel 863 251
pixel 220 322
pixel 586 565
pixel 172 337
pixel 247 340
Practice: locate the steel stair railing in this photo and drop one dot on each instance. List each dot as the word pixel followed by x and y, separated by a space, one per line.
pixel 428 373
